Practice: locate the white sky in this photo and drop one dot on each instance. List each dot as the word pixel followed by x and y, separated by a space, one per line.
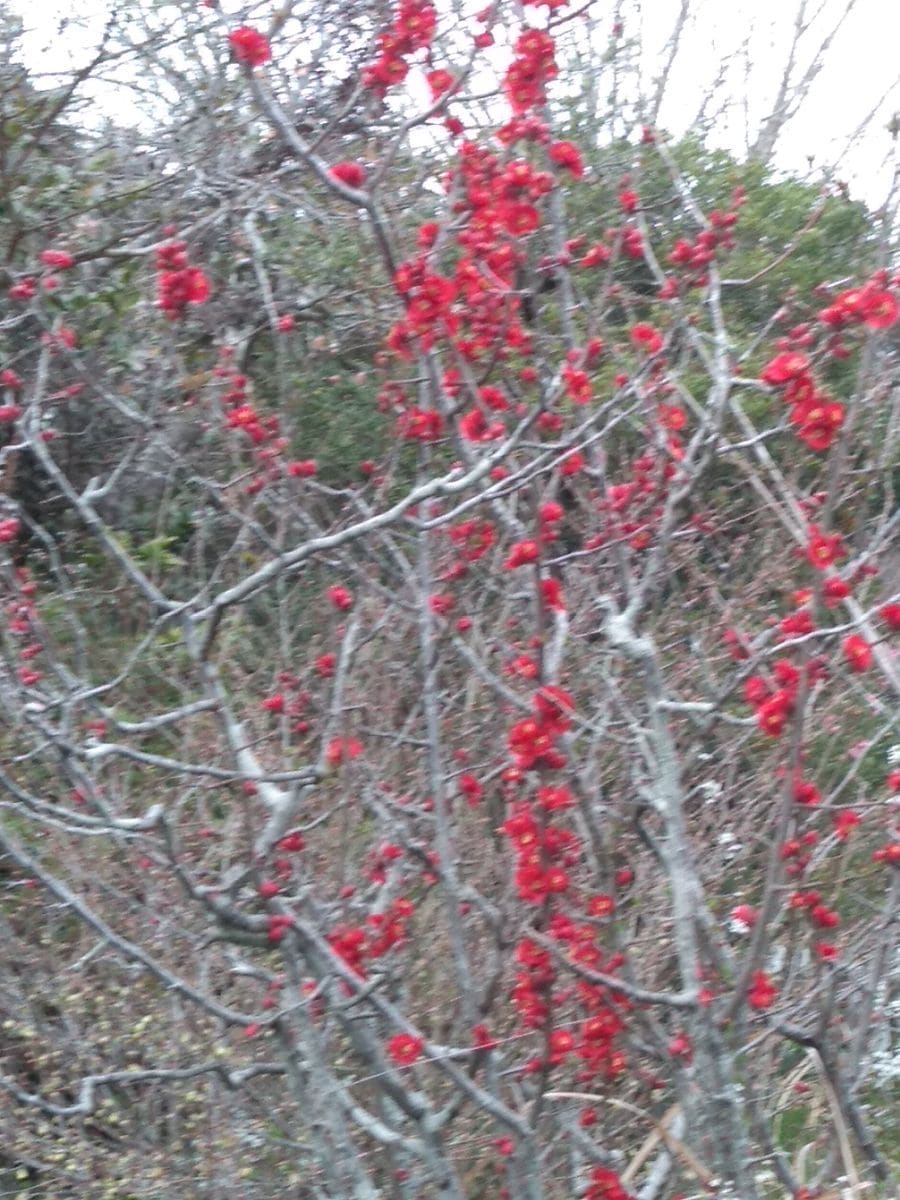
pixel 860 71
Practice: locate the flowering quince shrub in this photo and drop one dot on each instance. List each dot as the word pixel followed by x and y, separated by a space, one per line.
pixel 519 819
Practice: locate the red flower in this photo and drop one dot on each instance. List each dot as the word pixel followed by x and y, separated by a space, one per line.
pixel 823 549
pixel 578 384
pixel 889 854
pixel 551 591
pixel 522 554
pixel 23 290
pixel 785 367
pixel 471 789
pixel 568 156
pixel 628 201
pixel 797 624
pixel 405 1049
pixel 304 469
pixel 672 417
pixel 441 604
pixel 58 260
pixel 844 823
pixel 858 653
pixel 824 917
pixel 806 793
pixel 772 714
pixel 249 46
pixel 762 991
pixel 420 425
pixel 680 1047
pixel 818 422
pixel 524 666
pixel 551 704
pixel 474 427
pixel 439 82
pixel 743 918
pixel 879 309
pixel 646 338
pixel 350 173
pixel 520 218
pixel 870 304
pixel 339 749
pixel 598 256
pixel 890 614
pixel 179 288
pixel 340 597
pixel 835 590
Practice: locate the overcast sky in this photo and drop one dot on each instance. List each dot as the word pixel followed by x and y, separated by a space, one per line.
pixel 860 71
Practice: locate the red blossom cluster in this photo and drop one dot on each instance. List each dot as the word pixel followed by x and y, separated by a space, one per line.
pixel 263 432
pixel 816 417
pixel 292 700
pixel 872 305
pixel 340 749
pixel 477 308
pixel 53 260
pixel 532 68
pixel 429 300
pixel 546 854
pixel 774 701
pixel 592 1039
pixel 20 612
pixel 543 854
pixel 463 293
pixel 242 415
pixel 532 741
pixel 693 257
pixel 178 283
pixel 796 853
pixel 645 337
pixel 359 945
pixel 820 916
pixel 414 27
pixel 473 539
pixel 632 509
